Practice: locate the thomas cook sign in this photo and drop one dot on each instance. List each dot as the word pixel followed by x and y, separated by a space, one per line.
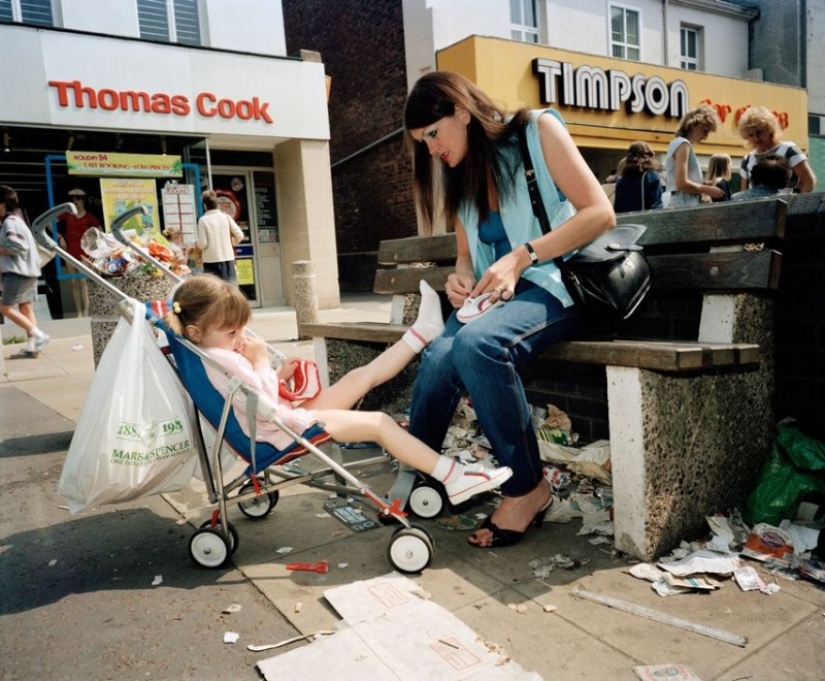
pixel 591 87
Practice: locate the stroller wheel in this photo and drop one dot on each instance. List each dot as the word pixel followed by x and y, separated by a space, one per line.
pixel 426 501
pixel 209 548
pixel 234 537
pixel 410 550
pixel 259 506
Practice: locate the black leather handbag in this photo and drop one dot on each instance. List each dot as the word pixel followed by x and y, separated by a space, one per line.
pixel 609 277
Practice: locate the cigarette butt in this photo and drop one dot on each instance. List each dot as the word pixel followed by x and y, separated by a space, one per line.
pixel 298 606
pixel 448 643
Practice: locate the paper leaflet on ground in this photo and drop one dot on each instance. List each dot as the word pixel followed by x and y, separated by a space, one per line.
pixel 671 672
pixel 391 632
pixel 592 461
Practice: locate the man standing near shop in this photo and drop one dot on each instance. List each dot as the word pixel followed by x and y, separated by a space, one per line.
pixel 71 229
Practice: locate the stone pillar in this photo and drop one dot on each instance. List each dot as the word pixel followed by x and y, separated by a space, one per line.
pixel 305 296
pixel 103 304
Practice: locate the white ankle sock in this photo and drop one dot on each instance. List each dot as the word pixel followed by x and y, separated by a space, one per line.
pixel 429 324
pixel 36 333
pixel 447 470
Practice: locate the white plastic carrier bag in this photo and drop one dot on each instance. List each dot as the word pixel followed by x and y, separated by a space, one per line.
pixel 135 435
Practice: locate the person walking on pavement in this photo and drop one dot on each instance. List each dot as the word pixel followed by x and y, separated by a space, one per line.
pixel 218 234
pixel 20 268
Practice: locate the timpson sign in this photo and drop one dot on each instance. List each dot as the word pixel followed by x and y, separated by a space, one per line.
pixel 74 94
pixel 591 87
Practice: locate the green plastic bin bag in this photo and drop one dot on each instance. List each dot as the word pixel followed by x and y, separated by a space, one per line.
pixel 796 467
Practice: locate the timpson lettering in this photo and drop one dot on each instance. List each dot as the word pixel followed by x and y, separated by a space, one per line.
pixel 74 94
pixel 591 87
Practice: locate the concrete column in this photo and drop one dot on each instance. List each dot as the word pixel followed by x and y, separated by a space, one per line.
pixel 305 295
pixel 306 216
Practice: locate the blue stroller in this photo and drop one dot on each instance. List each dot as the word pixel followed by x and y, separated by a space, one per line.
pixel 256 490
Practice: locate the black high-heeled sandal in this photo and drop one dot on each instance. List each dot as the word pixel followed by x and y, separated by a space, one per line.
pixel 503 537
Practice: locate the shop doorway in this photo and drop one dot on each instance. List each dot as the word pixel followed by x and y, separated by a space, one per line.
pixel 249 197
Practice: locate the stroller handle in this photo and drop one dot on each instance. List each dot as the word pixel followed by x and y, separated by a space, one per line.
pixel 40 222
pixel 117 224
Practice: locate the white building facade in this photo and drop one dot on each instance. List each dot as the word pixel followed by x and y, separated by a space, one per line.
pixel 207 80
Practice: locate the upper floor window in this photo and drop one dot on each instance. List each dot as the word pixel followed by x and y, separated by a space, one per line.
pixel 524 25
pixel 625 38
pixel 38 12
pixel 173 21
pixel 690 48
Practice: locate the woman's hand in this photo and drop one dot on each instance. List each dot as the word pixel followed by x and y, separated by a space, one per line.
pixel 501 277
pixel 458 288
pixel 713 192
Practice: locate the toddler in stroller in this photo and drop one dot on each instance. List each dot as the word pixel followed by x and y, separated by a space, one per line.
pixel 213 314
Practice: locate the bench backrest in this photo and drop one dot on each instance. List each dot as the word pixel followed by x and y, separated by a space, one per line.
pixel 677 242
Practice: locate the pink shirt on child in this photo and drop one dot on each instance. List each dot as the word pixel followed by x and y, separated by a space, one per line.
pixel 264 382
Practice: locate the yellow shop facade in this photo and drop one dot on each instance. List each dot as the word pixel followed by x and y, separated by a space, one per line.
pixel 610 103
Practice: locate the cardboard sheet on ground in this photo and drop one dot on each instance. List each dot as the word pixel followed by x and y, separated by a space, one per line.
pixel 390 631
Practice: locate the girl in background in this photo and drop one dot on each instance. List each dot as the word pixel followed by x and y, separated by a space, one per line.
pixel 639 187
pixel 684 174
pixel 719 175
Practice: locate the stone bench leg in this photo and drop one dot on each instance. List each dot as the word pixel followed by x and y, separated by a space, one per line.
pixel 682 448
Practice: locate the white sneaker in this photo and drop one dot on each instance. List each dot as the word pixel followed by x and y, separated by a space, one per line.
pixel 475 479
pixel 40 343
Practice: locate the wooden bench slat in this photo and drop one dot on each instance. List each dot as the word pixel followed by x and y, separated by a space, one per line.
pixel 730 222
pixel 405 279
pixel 656 355
pixel 376 332
pixel 435 248
pixel 722 272
pixel 653 355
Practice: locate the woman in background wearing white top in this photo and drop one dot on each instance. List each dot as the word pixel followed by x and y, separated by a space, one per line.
pixel 685 180
pixel 218 234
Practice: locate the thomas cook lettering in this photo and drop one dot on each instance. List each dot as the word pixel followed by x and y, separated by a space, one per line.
pixel 73 93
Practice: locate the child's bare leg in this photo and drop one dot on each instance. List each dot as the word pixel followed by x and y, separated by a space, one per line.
pixel 347 391
pixel 460 481
pixel 375 426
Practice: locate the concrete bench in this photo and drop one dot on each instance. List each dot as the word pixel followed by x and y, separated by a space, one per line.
pixel 688 383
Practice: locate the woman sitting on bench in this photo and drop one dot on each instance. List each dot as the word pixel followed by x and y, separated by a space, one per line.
pixel 461 137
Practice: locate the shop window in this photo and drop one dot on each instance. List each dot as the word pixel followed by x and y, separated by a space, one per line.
pixel 172 21
pixel 690 54
pixel 524 25
pixel 625 36
pixel 37 12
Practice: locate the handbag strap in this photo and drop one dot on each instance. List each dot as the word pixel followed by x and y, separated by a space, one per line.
pixel 642 188
pixel 535 196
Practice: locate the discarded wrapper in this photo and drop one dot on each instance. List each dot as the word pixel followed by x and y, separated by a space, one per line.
pixel 766 542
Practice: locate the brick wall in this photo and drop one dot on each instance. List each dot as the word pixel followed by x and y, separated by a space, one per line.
pixel 362 46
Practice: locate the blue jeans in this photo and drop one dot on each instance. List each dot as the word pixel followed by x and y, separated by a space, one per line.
pixel 480 359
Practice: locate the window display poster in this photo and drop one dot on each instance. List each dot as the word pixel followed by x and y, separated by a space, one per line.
pixel 119 195
pixel 179 210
